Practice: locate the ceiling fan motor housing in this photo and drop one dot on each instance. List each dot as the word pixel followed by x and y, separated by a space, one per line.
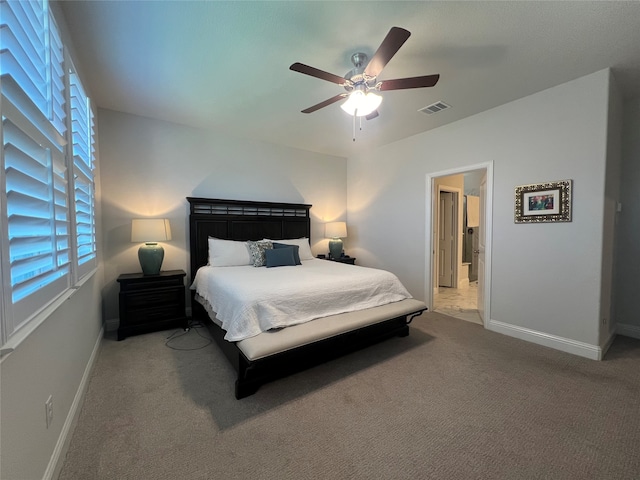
pixel 357 80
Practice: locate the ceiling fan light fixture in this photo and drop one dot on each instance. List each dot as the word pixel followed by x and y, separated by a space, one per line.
pixel 361 104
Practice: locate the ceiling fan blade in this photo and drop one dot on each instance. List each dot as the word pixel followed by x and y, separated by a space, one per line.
pixel 387 49
pixel 314 72
pixel 325 103
pixel 412 82
pixel 372 115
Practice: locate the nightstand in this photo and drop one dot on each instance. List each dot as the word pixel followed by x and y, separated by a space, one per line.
pixel 151 302
pixel 349 260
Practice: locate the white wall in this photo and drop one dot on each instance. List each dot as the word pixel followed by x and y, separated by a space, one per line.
pixel 628 258
pixel 54 359
pixel 149 167
pixel 546 278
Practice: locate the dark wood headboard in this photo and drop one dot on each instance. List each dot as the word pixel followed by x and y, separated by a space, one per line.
pixel 242 220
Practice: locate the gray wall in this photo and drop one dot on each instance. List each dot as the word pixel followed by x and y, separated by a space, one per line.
pixel 627 257
pixel 546 278
pixel 150 166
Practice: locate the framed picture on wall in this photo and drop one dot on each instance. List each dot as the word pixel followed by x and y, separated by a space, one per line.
pixel 543 202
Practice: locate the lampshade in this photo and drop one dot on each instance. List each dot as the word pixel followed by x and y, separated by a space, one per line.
pixel 360 103
pixel 335 230
pixel 150 230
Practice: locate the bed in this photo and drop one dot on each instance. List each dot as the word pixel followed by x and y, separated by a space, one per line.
pixel 262 356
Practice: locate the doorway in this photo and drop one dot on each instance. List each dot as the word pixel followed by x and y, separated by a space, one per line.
pixel 452 287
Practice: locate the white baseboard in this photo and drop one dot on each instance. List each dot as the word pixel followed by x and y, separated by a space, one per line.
pixel 593 352
pixel 60 450
pixel 607 344
pixel 628 330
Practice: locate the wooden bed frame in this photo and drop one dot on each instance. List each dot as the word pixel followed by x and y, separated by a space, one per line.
pixel 250 220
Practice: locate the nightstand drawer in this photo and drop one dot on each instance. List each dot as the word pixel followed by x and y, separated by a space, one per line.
pixel 150 298
pixel 155 283
pixel 153 314
pixel 153 302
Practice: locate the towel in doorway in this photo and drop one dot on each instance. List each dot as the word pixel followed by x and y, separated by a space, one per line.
pixel 473 211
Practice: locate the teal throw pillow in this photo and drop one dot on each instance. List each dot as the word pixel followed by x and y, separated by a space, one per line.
pixel 295 248
pixel 279 257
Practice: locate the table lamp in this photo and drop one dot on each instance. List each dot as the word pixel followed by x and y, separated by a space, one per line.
pixel 336 231
pixel 150 231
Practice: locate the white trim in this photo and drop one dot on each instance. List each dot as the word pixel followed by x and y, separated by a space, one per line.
pixel 430 289
pixel 62 445
pixel 628 330
pixel 39 318
pixel 606 345
pixel 593 352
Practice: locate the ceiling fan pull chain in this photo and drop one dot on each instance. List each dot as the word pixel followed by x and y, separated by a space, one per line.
pixel 354 126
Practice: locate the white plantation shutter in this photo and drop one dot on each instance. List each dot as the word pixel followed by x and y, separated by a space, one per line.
pixel 83 175
pixel 57 113
pixel 47 212
pixel 24 48
pixel 32 65
pixel 37 221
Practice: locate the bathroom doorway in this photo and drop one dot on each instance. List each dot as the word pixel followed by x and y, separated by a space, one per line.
pixel 464 226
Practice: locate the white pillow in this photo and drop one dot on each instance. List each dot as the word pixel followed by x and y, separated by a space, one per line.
pixel 303 243
pixel 228 253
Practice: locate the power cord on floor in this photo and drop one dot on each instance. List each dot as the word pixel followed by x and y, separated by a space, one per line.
pixel 195 326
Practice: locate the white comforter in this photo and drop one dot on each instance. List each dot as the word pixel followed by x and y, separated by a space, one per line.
pixel 249 300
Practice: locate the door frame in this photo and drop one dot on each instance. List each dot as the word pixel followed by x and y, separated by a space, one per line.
pixel 431 203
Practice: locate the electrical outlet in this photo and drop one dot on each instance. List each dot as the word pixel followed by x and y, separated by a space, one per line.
pixel 48 407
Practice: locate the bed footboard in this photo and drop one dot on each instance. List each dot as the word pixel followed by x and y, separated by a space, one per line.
pixel 254 373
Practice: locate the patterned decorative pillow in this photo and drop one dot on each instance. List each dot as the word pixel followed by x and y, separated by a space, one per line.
pixel 256 250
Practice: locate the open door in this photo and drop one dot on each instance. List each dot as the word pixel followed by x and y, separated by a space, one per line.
pixel 446 239
pixel 482 238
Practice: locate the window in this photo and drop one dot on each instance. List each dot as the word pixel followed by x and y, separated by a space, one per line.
pixel 83 151
pixel 49 184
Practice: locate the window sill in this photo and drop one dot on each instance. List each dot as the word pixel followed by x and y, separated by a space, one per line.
pixel 39 318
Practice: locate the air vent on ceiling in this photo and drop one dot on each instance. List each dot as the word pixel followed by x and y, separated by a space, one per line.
pixel 434 108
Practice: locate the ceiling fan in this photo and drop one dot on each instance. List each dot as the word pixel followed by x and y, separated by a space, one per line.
pixel 361 82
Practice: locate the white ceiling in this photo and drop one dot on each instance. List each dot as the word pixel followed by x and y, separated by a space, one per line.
pixel 225 65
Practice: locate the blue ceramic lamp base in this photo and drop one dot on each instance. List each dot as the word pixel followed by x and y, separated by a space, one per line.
pixel 150 256
pixel 335 248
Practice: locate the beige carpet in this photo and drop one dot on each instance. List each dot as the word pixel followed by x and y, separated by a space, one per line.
pixel 451 401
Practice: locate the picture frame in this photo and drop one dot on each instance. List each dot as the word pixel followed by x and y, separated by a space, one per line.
pixel 548 202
